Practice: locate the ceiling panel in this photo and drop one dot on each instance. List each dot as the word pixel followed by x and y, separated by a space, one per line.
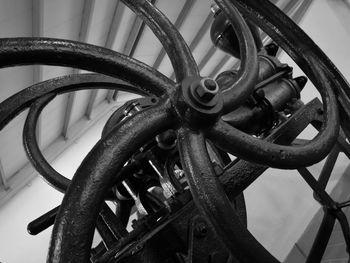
pixel 213 61
pixel 62 18
pixel 100 22
pixel 14 79
pixel 101 96
pixel 127 20
pixel 80 105
pixel 203 47
pixel 193 21
pixel 15 18
pixel 150 46
pixel 52 120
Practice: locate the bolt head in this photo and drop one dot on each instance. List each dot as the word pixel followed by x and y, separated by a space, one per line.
pixel 206 89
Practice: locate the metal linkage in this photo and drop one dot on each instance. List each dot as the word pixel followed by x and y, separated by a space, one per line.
pixel 169 153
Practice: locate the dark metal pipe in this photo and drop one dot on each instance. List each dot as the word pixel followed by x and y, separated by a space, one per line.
pixel 322 237
pixel 112 222
pixel 180 55
pixel 43 222
pixel 58 52
pixel 35 156
pixel 31 147
pixel 12 106
pixel 247 74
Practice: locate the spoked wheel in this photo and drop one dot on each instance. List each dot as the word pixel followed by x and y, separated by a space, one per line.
pixel 199 112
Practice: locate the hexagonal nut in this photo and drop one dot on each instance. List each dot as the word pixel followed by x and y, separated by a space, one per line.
pixel 206 89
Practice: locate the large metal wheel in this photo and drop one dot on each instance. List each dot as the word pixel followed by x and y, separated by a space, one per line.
pixel 195 115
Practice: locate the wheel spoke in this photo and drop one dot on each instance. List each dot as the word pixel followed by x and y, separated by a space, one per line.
pixel 12 106
pixel 212 201
pixel 247 74
pixel 71 242
pixel 180 55
pixel 58 52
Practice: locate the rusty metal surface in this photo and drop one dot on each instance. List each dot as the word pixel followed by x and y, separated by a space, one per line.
pixel 203 216
pixel 59 52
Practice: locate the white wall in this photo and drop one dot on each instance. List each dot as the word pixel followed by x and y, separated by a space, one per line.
pixel 16 245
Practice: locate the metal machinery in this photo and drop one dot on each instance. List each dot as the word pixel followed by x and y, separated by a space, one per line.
pixel 165 156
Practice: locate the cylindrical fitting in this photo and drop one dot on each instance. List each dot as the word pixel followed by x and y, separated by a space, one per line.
pixel 203 92
pixel 278 93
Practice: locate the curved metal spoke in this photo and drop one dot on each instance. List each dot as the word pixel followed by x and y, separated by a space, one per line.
pixel 31 147
pixel 12 106
pixel 73 230
pixel 247 76
pixel 294 41
pixel 280 156
pixel 34 154
pixel 58 52
pixel 212 201
pixel 180 55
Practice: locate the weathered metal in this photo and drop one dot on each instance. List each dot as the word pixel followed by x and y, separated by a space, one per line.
pixel 171 148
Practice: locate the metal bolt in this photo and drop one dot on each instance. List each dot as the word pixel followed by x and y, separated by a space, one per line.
pixel 206 89
pixel 271 49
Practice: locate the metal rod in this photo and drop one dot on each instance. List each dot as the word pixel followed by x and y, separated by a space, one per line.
pixel 175 46
pixel 43 222
pixel 112 222
pixel 323 234
pixel 107 236
pixel 344 224
pixel 325 199
pixel 328 167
